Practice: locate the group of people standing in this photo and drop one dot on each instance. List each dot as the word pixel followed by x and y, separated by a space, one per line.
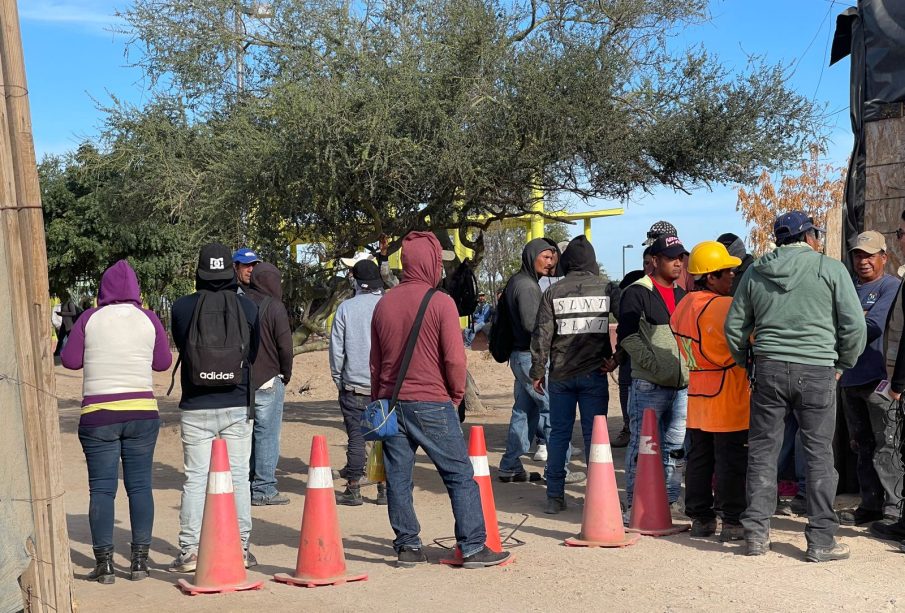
pixel 728 351
pixel 725 349
pixel 119 344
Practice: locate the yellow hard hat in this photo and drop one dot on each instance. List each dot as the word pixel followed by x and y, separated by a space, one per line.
pixel 710 256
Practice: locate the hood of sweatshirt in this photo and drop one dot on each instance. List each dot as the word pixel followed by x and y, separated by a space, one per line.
pixel 784 266
pixel 532 250
pixel 422 258
pixel 580 257
pixel 266 279
pixel 217 286
pixel 119 285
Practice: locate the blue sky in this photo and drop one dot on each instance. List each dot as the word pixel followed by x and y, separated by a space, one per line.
pixel 75 61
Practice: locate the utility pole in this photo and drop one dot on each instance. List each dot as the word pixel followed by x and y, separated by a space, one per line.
pixel 31 426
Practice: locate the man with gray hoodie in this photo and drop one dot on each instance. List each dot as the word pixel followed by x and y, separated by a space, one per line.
pixel 796 311
pixel 350 353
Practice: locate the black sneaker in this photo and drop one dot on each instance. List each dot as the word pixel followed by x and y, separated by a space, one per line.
pixel 555 505
pixel 276 499
pixel 522 477
pixel 703 528
pixel 621 439
pixel 838 551
pixel 484 558
pixel 783 507
pixel 890 531
pixel 856 517
pixel 757 548
pixel 409 558
pixel 799 505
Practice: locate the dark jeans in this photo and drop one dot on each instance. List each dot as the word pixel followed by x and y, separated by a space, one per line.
pixel 873 436
pixel 590 392
pixel 352 406
pixel 433 426
pixel 104 446
pixel 726 455
pixel 809 392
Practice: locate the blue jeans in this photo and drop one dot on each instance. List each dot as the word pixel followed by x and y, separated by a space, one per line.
pixel 472 332
pixel 132 442
pixel 526 414
pixel 265 440
pixel 590 392
pixel 199 429
pixel 433 426
pixel 671 407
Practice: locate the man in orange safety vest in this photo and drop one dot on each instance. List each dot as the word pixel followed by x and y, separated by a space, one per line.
pixel 718 396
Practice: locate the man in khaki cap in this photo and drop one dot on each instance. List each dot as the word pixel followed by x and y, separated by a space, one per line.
pixel 871 435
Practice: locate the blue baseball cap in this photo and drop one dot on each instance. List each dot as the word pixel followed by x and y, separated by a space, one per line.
pixel 245 256
pixel 792 224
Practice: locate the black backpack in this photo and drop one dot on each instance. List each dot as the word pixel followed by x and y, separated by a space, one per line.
pixel 217 347
pixel 462 286
pixel 501 339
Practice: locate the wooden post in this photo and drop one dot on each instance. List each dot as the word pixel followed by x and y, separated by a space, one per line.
pixel 884 196
pixel 47 583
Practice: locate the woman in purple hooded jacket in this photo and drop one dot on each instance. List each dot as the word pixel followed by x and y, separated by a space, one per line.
pixel 118 344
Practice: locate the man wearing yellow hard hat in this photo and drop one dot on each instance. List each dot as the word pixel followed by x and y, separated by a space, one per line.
pixel 718 396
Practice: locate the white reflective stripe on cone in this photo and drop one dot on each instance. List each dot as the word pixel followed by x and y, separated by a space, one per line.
pixel 647 446
pixel 220 483
pixel 480 466
pixel 320 477
pixel 601 453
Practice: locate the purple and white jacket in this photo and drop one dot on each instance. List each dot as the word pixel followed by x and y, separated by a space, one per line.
pixel 118 343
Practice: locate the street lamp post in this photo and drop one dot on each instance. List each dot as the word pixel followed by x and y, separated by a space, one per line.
pixel 624 247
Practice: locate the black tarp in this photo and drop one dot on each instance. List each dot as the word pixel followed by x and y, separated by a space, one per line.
pixel 874 35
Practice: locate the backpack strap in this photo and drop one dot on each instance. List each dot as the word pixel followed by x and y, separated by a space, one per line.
pixel 410 346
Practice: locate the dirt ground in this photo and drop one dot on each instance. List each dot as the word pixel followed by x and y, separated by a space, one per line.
pixel 677 573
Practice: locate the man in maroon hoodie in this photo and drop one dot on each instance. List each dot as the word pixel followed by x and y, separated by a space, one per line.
pixel 434 385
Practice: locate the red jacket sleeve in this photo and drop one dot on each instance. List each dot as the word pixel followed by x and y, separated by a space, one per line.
pixel 452 350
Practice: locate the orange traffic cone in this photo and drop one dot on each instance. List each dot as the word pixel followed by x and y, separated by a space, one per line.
pixel 601 523
pixel 477 453
pixel 221 567
pixel 321 559
pixel 650 508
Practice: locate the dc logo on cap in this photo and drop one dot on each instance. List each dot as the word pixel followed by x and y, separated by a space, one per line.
pixel 217 264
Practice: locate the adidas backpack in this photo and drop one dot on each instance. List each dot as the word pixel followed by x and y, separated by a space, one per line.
pixel 217 347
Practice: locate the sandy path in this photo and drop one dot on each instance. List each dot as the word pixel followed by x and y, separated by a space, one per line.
pixel 676 573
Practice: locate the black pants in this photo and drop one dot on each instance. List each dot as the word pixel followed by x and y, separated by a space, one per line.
pixel 872 433
pixel 726 455
pixel 352 406
pixel 809 392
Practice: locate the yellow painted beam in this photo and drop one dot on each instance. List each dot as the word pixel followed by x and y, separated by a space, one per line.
pixel 587 228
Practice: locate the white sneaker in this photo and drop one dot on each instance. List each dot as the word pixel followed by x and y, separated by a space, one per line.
pixel 541 454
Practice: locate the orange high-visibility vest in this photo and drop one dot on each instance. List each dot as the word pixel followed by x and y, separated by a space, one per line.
pixel 718 390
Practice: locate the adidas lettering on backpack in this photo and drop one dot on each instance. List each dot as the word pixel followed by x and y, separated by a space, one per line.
pixel 217 347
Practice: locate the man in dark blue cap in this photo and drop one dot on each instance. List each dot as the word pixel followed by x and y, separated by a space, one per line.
pixel 244 260
pixel 797 314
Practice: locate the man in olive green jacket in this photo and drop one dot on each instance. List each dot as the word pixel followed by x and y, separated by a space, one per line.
pixel 798 315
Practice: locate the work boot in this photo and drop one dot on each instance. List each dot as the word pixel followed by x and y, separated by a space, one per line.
pixel 732 532
pixel 555 504
pixel 799 505
pixel 757 548
pixel 621 439
pixel 890 531
pixel 702 528
pixel 838 551
pixel 103 570
pixel 139 567
pixel 859 516
pixel 352 496
pixel 381 494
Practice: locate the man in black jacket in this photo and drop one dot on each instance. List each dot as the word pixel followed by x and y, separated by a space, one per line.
pixel 209 412
pixel 572 332
pixel 271 373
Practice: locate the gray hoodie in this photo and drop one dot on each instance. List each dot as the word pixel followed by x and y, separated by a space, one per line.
pixel 350 342
pixel 523 294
